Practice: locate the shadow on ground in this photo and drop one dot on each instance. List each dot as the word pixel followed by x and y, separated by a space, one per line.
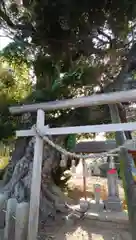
pixel 84 230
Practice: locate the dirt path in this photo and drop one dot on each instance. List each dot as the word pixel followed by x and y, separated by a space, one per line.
pixel 87 230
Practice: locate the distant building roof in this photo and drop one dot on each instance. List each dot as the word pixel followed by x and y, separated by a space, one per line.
pixel 95 146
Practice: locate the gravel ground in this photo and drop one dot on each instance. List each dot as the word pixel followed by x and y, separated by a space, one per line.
pixel 84 231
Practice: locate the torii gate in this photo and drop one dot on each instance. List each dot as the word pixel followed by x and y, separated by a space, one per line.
pixel 110 98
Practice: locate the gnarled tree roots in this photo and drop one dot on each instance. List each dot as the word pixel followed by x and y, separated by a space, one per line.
pixel 52 199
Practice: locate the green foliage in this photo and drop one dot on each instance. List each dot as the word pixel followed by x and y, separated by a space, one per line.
pixel 71 142
pixel 75 37
pixel 79 76
pixel 15 52
pixel 14 87
pixel 110 136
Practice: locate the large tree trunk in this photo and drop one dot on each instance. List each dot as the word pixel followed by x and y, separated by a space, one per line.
pixel 123 118
pixel 19 181
pixel 18 153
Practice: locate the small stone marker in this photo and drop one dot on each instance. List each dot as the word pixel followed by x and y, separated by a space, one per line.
pixel 89 171
pixel 96 170
pixel 63 162
pixel 22 213
pixel 84 204
pixel 97 192
pixel 112 183
pixel 113 202
pixel 9 232
pixel 3 205
pixel 85 169
pixel 73 167
pixel 97 204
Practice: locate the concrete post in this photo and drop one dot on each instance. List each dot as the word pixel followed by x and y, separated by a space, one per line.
pixel 9 232
pixel 113 202
pixel 22 213
pixel 97 204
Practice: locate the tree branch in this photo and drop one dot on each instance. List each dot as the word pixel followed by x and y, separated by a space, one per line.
pixel 119 81
pixel 101 40
pixel 104 34
pixel 6 18
pixel 8 21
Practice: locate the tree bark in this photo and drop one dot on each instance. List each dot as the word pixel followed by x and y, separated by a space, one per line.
pixel 123 118
pixel 17 154
pixel 19 182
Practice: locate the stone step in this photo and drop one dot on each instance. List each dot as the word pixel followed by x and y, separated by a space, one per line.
pixel 118 218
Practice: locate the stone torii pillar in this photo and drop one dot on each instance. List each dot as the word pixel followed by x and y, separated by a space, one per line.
pixel 36 179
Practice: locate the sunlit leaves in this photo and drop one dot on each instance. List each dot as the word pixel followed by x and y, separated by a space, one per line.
pixel 15 85
pixel 6 77
pixel 15 79
pixel 16 52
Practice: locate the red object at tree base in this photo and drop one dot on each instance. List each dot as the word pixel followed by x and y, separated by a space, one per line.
pixel 112 171
pixel 97 189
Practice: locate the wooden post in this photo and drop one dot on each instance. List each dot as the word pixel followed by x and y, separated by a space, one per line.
pixel 36 181
pixel 84 179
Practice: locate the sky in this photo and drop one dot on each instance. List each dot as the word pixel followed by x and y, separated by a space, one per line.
pixel 4 41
